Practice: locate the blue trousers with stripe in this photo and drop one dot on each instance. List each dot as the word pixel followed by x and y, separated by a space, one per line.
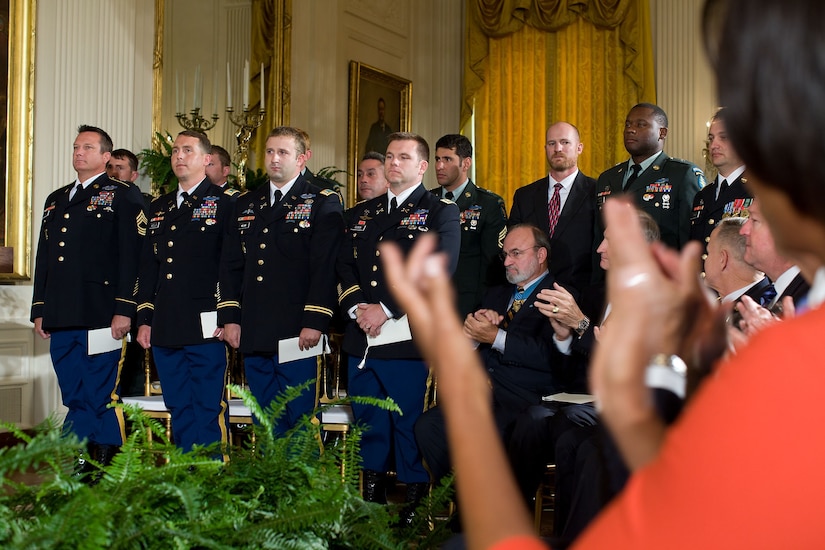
pixel 405 380
pixel 267 379
pixel 89 385
pixel 193 379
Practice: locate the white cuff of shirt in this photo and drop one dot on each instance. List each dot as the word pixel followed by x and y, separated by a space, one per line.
pixel 563 345
pixel 500 341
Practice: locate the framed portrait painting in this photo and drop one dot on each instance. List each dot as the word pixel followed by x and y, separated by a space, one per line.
pixel 16 95
pixel 379 104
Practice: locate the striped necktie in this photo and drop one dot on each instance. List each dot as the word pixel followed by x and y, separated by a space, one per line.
pixel 518 301
pixel 554 209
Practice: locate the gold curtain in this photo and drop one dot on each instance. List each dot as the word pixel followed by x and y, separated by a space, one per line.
pixel 271 31
pixel 533 62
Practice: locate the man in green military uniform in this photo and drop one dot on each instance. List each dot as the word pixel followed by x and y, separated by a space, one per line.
pixel 483 221
pixel 662 186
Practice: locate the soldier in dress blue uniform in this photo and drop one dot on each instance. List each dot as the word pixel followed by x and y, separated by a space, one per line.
pixel 662 186
pixel 727 196
pixel 393 370
pixel 278 279
pixel 179 296
pixel 85 277
pixel 483 221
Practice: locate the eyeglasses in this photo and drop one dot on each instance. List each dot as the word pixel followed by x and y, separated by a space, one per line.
pixel 515 253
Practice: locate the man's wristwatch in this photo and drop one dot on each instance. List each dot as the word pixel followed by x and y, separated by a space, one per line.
pixel 582 327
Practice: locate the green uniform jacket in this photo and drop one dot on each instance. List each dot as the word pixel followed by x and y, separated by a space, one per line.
pixel 483 227
pixel 665 191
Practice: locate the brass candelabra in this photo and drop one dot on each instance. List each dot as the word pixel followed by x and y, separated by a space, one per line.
pixel 246 121
pixel 194 120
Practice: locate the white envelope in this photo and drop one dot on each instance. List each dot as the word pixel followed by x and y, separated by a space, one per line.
pixel 100 340
pixel 209 322
pixel 394 330
pixel 288 349
pixel 577 398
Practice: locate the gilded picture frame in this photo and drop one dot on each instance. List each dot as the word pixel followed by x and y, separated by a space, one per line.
pixel 379 103
pixel 15 245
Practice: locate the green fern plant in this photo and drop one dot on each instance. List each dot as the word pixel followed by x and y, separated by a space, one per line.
pixel 156 163
pixel 280 492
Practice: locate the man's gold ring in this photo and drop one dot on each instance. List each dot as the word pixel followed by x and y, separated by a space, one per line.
pixel 556 309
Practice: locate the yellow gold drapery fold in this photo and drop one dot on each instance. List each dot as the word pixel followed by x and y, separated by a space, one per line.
pixel 512 109
pixel 596 59
pixel 271 37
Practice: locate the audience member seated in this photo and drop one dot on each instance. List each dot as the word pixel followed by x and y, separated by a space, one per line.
pixel 727 273
pixel 761 253
pixel 589 470
pixel 514 344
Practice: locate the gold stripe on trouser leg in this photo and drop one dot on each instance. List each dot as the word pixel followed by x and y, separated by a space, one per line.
pixel 115 398
pixel 224 405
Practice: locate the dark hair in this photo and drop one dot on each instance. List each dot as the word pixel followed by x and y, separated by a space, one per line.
pixel 658 113
pixel 463 147
pixel 126 154
pixel 106 144
pixel 776 112
pixel 297 134
pixel 423 148
pixel 539 237
pixel 221 155
pixel 206 147
pixel 374 155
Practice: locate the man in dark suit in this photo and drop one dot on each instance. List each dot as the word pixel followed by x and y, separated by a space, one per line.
pixel 85 278
pixel 483 221
pixel 726 196
pixel 566 199
pixel 395 369
pixel 761 253
pixel 727 272
pixel 278 282
pixel 515 344
pixel 178 281
pixel 662 186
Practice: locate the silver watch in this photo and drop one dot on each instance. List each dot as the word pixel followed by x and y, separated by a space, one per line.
pixel 582 327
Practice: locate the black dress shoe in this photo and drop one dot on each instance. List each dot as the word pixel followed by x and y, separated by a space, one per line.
pixel 105 453
pixel 83 468
pixel 375 486
pixel 415 494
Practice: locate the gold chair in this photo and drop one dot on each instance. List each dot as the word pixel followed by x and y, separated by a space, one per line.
pixel 152 399
pixel 240 417
pixel 335 419
pixel 545 496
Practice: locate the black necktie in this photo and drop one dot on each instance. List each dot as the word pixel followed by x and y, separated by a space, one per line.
pixel 722 187
pixel 74 190
pixel 634 173
pixel 449 195
pixel 393 205
pixel 276 197
pixel 184 199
